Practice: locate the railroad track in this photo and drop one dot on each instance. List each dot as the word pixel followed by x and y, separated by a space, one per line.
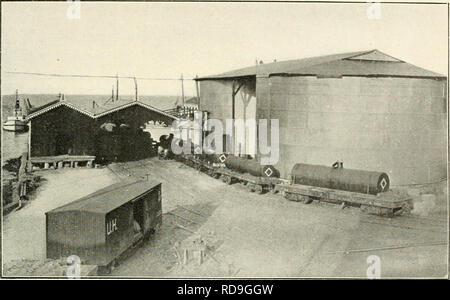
pixel 424 218
pixel 128 171
pixel 408 222
pixel 412 222
pixel 190 218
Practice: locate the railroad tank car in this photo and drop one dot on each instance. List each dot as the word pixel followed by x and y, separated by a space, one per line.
pixel 339 178
pixel 100 227
pixel 251 166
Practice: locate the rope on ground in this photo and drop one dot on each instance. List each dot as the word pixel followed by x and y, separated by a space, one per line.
pixel 192 211
pixel 184 218
pixel 185 228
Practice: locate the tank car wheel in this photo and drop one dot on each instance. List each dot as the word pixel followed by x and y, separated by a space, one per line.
pixel 259 189
pixel 307 199
pixel 272 189
pixel 379 211
pixel 387 212
pixel 228 180
pixel 251 187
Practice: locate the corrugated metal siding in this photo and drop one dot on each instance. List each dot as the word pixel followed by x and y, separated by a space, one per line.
pixel 122 238
pixel 74 233
pixel 396 125
pixel 84 233
pixel 216 98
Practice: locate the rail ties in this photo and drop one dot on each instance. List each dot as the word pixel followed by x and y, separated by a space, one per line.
pixel 191 219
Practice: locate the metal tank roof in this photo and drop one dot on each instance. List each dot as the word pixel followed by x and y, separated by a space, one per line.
pixel 371 63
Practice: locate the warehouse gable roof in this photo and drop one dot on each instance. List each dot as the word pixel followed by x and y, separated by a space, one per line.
pixel 109 198
pixel 363 63
pixel 94 111
pixel 374 55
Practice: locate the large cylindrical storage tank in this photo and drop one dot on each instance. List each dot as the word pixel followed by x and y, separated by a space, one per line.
pixel 361 181
pixel 393 124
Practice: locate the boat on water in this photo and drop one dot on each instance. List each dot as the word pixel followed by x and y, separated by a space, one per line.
pixel 17 122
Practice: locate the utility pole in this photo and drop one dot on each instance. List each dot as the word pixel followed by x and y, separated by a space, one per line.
pixel 112 93
pixel 182 90
pixel 198 93
pixel 17 106
pixel 117 87
pixel 135 89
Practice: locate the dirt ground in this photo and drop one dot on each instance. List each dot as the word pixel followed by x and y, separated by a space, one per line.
pixel 23 234
pixel 250 235
pixel 243 234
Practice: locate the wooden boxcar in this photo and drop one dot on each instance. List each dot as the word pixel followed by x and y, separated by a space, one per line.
pixel 101 226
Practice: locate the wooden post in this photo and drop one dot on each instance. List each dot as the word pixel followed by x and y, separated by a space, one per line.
pixel 185 258
pixel 29 140
pixel 233 116
pixel 200 256
pixel 233 135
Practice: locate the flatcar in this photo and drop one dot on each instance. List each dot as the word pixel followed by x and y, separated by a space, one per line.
pixel 232 169
pixel 102 226
pixel 367 190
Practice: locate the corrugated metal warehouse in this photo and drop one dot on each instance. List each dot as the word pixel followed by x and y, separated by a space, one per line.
pixel 62 127
pixel 368 109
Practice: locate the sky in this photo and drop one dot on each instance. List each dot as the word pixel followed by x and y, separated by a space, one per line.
pixel 165 40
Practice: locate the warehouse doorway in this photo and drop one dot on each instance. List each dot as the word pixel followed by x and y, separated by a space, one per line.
pixel 64 143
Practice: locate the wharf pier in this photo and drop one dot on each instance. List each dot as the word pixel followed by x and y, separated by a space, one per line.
pixel 61 161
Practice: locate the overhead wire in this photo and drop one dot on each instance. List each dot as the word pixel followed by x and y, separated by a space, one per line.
pixel 93 76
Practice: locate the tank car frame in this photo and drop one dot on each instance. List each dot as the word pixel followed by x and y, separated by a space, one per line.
pixel 386 204
pixel 253 183
pixel 383 204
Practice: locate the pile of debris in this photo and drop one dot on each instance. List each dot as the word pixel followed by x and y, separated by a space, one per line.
pixel 18 184
pixel 46 268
